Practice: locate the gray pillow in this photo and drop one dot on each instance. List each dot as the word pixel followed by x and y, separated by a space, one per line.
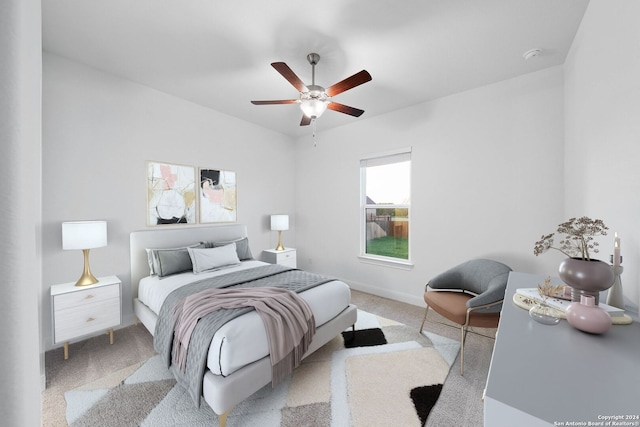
pixel 242 247
pixel 165 262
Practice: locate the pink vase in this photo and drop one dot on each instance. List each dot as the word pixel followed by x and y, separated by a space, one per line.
pixel 587 316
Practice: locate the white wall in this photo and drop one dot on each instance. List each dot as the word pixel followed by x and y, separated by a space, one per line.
pixel 602 132
pixel 20 142
pixel 98 132
pixel 491 168
pixel 487 182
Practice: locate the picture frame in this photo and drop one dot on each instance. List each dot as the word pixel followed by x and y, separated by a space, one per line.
pixel 171 194
pixel 217 196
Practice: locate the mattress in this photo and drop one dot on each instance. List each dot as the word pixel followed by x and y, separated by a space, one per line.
pixel 243 340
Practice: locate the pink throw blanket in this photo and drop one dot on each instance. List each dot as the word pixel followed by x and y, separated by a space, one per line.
pixel 287 318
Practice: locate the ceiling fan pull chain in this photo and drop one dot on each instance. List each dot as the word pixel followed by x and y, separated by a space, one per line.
pixel 314 132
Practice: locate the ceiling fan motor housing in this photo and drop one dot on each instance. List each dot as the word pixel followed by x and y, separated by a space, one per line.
pixel 315 92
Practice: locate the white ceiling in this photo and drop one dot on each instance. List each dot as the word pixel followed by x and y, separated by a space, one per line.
pixel 218 53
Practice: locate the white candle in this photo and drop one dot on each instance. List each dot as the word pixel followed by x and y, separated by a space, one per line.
pixel 616 250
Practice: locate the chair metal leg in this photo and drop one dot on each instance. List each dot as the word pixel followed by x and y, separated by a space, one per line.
pixel 463 336
pixel 424 319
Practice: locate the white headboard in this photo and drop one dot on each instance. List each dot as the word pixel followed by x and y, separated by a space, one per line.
pixel 158 238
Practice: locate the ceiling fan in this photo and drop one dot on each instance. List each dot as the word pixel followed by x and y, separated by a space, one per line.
pixel 314 99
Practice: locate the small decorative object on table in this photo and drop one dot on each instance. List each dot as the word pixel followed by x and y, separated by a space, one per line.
pixel 587 316
pixel 541 312
pixel 615 297
pixel 585 275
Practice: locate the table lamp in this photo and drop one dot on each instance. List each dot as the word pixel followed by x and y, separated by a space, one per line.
pixel 279 223
pixel 84 235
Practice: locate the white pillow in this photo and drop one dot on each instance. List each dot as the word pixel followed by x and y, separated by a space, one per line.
pixel 213 258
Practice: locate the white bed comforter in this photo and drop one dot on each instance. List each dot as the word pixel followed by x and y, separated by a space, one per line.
pixel 243 340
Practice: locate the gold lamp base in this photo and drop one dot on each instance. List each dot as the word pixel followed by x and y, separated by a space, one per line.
pixel 279 247
pixel 87 278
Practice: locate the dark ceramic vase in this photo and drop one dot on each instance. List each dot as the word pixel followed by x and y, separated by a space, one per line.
pixel 586 277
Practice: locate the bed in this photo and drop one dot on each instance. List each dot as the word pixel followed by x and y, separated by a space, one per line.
pixel 238 362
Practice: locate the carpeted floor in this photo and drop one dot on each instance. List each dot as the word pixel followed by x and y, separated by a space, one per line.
pixel 459 403
pixel 376 375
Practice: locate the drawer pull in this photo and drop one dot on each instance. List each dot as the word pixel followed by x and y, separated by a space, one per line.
pixel 88 296
pixel 90 319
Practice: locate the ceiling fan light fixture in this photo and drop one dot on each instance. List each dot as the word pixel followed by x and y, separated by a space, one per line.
pixel 313 108
pixel 314 102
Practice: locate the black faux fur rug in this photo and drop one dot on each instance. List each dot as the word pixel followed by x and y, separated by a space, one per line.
pixel 363 338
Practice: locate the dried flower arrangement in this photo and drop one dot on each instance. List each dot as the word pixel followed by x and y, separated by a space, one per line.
pixel 548 290
pixel 578 240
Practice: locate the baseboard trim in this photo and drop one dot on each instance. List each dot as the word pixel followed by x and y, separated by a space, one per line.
pixel 386 293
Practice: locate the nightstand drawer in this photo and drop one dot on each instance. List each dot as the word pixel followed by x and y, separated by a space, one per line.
pixel 86 296
pixel 86 319
pixel 288 259
pixel 285 257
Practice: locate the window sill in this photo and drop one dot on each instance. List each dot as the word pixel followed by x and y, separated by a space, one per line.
pixel 386 262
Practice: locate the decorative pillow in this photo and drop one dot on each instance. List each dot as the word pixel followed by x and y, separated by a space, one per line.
pixel 150 260
pixel 168 261
pixel 213 258
pixel 242 247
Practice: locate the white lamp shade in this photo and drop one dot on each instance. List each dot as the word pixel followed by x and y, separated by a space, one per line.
pixel 279 222
pixel 84 234
pixel 313 108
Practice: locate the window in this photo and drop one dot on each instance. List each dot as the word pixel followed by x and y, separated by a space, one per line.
pixel 385 206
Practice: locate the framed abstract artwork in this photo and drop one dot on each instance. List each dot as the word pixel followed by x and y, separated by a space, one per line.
pixel 171 194
pixel 218 196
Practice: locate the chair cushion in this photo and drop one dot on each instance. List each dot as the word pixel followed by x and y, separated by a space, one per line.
pixel 485 278
pixel 453 306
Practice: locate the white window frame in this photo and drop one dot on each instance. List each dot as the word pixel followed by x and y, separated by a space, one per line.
pixel 369 160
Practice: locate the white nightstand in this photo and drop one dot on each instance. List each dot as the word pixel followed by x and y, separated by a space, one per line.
pixel 286 257
pixel 79 311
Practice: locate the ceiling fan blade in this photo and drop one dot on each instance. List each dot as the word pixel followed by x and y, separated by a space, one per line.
pixel 306 121
pixel 288 74
pixel 281 101
pixel 345 109
pixel 349 83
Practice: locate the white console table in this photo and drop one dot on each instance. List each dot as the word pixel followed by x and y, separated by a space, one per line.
pixel 544 375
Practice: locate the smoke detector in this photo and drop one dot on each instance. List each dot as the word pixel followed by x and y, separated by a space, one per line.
pixel 531 53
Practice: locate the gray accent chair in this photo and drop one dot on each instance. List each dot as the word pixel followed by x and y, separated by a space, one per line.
pixel 469 294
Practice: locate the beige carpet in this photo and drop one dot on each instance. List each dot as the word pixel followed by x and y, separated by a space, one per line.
pixel 459 404
pixel 92 360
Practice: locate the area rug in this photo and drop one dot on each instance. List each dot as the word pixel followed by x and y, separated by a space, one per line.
pixel 384 374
